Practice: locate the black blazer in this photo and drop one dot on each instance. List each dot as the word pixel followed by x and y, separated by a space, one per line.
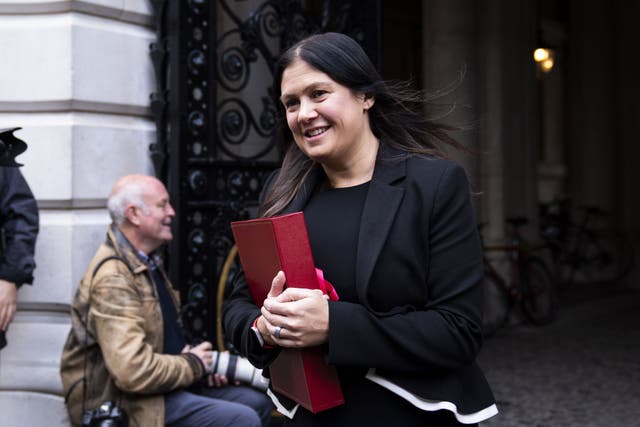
pixel 419 278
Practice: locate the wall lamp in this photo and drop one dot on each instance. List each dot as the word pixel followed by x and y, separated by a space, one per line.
pixel 545 59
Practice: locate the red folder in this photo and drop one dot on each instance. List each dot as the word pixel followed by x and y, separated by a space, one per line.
pixel 266 246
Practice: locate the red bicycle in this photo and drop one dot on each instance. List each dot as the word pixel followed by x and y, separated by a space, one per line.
pixel 526 282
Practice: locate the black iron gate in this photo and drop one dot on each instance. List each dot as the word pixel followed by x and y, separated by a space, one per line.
pixel 215 120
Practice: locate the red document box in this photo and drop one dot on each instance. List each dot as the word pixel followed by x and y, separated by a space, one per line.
pixel 266 246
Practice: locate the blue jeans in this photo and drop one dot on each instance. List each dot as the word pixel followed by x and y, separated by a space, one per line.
pixel 217 407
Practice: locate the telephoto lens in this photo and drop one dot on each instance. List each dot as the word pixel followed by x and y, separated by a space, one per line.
pixel 237 368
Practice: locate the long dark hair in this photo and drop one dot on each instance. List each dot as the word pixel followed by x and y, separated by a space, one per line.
pixel 393 117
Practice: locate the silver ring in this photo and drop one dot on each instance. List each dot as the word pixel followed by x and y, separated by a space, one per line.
pixel 276 332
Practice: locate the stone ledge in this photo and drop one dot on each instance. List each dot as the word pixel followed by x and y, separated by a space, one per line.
pixel 31 360
pixel 20 408
pixel 133 11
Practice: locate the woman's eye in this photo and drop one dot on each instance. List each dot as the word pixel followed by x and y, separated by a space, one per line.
pixel 318 93
pixel 290 103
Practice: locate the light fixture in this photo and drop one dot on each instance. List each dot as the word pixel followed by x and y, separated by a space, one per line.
pixel 545 59
pixel 547 65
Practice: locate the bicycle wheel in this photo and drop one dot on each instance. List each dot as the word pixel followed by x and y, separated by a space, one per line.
pixel 607 257
pixel 538 292
pixel 497 304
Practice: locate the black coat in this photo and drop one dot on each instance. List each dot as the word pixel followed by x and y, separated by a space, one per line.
pixel 419 278
pixel 19 223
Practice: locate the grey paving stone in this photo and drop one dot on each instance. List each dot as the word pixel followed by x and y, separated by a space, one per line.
pixel 581 370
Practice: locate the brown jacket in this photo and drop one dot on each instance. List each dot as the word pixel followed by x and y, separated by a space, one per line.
pixel 124 360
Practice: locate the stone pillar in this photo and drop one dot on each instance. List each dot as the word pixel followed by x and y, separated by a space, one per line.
pixel 552 166
pixel 450 65
pixel 76 76
pixel 508 126
pixel 490 109
pixel 494 39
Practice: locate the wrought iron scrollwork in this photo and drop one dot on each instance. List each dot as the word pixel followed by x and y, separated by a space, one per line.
pixel 216 121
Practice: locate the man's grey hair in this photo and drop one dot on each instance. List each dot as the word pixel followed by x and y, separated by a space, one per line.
pixel 129 193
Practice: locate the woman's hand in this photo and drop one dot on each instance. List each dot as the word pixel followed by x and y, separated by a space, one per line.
pixel 277 285
pixel 295 317
pixel 265 328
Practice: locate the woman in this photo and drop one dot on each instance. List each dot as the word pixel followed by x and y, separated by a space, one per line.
pixel 391 225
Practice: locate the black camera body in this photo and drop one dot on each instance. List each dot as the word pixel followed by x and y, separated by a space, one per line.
pixel 107 415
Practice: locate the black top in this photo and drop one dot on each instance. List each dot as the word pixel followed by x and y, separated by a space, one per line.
pixel 174 341
pixel 333 221
pixel 173 337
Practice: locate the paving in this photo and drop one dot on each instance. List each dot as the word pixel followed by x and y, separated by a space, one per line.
pixel 581 370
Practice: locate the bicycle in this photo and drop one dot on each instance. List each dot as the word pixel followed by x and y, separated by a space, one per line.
pixel 586 251
pixel 527 283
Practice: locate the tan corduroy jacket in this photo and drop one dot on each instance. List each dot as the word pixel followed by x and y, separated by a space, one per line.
pixel 124 360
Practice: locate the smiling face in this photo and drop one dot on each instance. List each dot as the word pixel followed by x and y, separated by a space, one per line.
pixel 153 220
pixel 329 123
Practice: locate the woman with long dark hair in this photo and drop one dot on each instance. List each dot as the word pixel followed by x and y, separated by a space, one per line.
pixel 391 225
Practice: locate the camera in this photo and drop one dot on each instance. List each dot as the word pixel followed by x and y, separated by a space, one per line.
pixel 107 415
pixel 237 368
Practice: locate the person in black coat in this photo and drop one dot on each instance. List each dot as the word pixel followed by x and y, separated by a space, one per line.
pixel 391 225
pixel 19 225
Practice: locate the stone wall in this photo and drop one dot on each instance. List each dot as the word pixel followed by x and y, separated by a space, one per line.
pixel 76 76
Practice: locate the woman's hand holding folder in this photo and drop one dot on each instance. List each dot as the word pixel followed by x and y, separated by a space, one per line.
pixel 295 317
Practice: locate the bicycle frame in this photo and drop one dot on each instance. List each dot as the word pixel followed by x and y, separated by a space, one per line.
pixel 527 283
pixel 516 254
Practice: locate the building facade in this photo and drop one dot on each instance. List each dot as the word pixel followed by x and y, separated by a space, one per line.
pixel 78 75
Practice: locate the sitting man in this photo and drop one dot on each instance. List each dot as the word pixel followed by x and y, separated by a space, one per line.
pixel 126 344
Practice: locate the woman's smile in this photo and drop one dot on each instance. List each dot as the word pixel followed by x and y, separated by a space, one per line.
pixel 328 121
pixel 316 132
